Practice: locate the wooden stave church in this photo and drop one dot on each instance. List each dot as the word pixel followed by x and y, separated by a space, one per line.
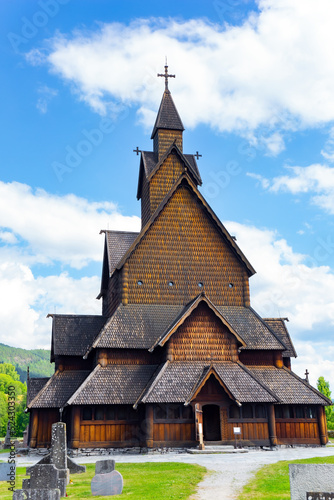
pixel 178 351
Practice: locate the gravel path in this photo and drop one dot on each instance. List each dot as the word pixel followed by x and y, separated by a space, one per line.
pixel 229 471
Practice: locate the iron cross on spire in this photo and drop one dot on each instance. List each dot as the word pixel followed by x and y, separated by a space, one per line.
pixel 166 75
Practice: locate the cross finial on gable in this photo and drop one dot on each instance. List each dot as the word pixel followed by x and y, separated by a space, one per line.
pixel 166 75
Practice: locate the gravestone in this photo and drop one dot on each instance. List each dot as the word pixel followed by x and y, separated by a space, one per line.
pixel 45 476
pixel 107 481
pixel 27 494
pixel 319 496
pixel 58 455
pixel 7 471
pixel 7 442
pixel 314 478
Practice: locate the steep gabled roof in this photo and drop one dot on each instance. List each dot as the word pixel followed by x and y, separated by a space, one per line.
pixel 278 326
pixel 186 312
pixel 290 388
pixel 145 326
pixel 118 242
pixel 113 384
pixel 149 165
pixel 186 181
pixel 136 326
pixel 180 381
pixel 73 334
pixel 168 116
pixel 59 389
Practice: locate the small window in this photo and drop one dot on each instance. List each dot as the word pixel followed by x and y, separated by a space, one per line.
pixel 187 412
pixel 170 284
pixel 230 285
pixel 87 414
pixel 310 412
pixel 299 411
pixel 99 413
pixel 200 284
pixel 247 411
pixel 139 282
pixel 260 411
pixel 234 412
pixel 121 412
pixel 173 411
pixel 278 412
pixel 160 412
pixel 110 413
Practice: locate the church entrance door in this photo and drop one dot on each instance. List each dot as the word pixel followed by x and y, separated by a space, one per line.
pixel 211 423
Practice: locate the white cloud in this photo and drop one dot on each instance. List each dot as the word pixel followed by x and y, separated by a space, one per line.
pixel 54 228
pixel 275 70
pixel 26 300
pixel 285 286
pixel 315 179
pixel 46 96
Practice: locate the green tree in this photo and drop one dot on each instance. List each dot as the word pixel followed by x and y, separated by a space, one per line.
pixel 20 391
pixel 323 387
pixel 10 370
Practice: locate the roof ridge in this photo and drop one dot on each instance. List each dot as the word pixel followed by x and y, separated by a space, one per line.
pixel 154 381
pixel 167 118
pixel 258 381
pixel 81 386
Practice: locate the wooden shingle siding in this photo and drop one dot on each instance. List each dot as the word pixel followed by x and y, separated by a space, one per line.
pixel 145 202
pixel 203 337
pixel 175 251
pixel 163 140
pixel 164 179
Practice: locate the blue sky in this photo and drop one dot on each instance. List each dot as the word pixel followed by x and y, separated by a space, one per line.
pixel 255 90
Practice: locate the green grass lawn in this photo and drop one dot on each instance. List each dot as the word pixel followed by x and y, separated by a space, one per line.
pixel 272 481
pixel 149 481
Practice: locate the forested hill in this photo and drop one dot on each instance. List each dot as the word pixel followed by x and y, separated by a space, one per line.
pixel 38 361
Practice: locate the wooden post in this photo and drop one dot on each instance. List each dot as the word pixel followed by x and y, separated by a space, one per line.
pixel 75 427
pixel 278 359
pixel 149 426
pixel 272 425
pixel 199 426
pixel 322 425
pixel 34 428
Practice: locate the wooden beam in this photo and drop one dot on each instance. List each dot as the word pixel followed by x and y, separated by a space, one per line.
pixel 34 428
pixel 75 427
pixel 149 426
pixel 322 425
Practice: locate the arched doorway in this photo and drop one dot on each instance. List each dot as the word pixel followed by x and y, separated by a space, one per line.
pixel 211 423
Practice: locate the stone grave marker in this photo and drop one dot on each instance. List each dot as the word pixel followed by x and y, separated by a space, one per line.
pixel 25 494
pixel 7 442
pixel 107 481
pixel 311 479
pixel 44 476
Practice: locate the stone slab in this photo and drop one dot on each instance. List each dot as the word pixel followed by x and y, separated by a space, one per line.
pixel 104 466
pixel 108 484
pixel 28 494
pixel 310 477
pixel 7 471
pixel 58 445
pixel 313 495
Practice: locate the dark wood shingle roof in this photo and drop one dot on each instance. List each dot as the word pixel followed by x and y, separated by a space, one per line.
pixel 34 385
pixel 253 330
pixel 59 389
pixel 277 325
pixel 118 242
pixel 72 335
pixel 168 116
pixel 288 387
pixel 176 382
pixel 113 384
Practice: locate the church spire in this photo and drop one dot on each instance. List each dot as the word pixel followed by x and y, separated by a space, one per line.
pixel 168 126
